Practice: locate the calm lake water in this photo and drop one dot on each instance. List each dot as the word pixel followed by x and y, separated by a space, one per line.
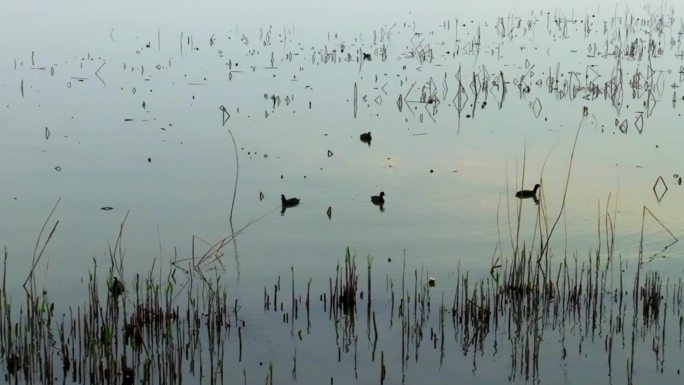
pixel 129 109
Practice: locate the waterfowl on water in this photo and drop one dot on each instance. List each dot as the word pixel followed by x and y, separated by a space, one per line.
pixel 366 137
pixel 291 202
pixel 528 193
pixel 378 199
pixel 116 288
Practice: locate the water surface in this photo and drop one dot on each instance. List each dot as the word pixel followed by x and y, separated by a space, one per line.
pixel 125 112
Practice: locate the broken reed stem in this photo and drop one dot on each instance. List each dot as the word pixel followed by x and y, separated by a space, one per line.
pixel 565 189
pixel 237 175
pixel 369 263
pixel 38 255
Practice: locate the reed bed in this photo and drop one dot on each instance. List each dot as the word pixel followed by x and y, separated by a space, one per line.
pixel 159 329
pixel 154 331
pixel 159 332
pixel 579 302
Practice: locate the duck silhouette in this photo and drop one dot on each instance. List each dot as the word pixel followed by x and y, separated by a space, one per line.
pixel 378 199
pixel 288 202
pixel 366 138
pixel 524 194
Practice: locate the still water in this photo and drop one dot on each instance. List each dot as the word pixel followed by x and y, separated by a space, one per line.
pixel 132 119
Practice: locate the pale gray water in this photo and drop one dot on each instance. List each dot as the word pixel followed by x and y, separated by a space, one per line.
pixel 202 57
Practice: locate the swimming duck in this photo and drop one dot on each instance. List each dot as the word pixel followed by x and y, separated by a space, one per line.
pixel 528 193
pixel 366 137
pixel 378 199
pixel 291 202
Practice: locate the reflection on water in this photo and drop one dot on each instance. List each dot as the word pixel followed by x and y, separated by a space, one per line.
pixel 461 113
pixel 452 108
pixel 521 323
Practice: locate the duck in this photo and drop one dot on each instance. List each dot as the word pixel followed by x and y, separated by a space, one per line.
pixel 528 193
pixel 378 199
pixel 291 202
pixel 366 137
pixel 116 288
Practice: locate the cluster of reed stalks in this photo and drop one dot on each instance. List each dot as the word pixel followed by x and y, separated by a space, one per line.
pixel 152 328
